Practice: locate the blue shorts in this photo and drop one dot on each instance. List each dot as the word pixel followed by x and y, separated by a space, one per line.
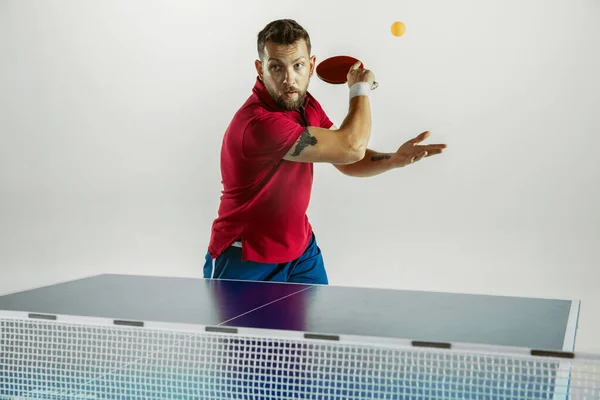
pixel 308 268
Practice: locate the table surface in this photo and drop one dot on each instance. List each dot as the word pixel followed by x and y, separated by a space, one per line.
pixel 545 324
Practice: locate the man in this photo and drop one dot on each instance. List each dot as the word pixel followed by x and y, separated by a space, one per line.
pixel 262 232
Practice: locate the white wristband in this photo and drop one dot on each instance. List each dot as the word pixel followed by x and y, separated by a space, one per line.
pixel 360 89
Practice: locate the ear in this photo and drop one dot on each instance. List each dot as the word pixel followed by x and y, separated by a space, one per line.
pixel 313 63
pixel 259 69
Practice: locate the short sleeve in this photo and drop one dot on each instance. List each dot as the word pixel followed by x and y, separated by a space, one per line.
pixel 324 121
pixel 270 136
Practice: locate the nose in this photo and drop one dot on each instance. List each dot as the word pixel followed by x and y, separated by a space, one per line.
pixel 289 78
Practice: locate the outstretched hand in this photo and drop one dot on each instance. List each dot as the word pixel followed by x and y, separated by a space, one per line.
pixel 411 151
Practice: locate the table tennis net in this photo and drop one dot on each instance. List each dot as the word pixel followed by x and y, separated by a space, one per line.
pixel 49 359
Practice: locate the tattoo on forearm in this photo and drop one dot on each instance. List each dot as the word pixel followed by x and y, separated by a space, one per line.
pixel 306 139
pixel 379 157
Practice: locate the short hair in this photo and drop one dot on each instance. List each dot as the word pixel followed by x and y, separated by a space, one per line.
pixel 281 31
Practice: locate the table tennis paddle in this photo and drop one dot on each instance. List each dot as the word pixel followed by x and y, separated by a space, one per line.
pixel 335 69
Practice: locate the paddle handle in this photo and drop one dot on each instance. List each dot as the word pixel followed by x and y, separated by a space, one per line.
pixel 375 83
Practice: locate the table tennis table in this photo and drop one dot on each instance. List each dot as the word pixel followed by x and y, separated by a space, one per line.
pixel 117 336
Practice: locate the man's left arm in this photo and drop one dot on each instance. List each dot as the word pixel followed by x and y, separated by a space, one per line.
pixel 375 163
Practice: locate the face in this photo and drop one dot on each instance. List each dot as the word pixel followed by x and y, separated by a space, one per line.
pixel 286 71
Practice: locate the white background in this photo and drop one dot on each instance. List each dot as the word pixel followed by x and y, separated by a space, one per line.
pixel 112 115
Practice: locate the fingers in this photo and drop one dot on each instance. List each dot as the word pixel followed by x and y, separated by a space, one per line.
pixel 421 137
pixel 433 152
pixel 421 151
pixel 419 156
pixel 355 66
pixel 433 147
pixel 357 73
pixel 427 151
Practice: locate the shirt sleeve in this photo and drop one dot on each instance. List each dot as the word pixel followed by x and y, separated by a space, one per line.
pixel 325 122
pixel 269 136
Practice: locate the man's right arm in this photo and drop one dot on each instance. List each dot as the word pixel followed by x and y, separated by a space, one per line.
pixel 345 145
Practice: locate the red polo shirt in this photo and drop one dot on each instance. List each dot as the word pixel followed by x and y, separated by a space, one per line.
pixel 265 198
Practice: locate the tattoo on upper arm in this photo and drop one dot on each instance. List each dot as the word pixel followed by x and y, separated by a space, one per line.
pixel 379 157
pixel 306 139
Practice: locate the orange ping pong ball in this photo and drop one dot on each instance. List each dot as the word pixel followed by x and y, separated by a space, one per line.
pixel 398 28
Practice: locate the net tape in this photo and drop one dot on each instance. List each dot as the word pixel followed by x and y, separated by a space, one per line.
pixel 67 360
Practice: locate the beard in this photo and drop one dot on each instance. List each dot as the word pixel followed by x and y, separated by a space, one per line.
pixel 286 103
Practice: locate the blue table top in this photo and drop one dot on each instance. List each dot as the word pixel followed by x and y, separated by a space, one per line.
pixel 333 310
